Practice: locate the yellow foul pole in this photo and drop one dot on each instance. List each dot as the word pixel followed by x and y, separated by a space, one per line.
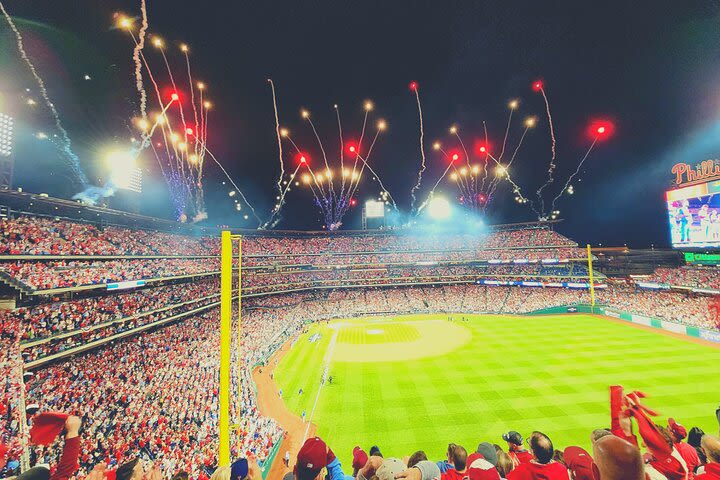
pixel 226 261
pixel 590 273
pixel 239 320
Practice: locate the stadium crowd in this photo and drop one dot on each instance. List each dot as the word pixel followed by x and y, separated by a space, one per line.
pixel 688 276
pixel 44 275
pixel 34 235
pixel 49 319
pixel 154 394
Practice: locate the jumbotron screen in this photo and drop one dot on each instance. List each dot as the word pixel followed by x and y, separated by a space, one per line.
pixel 694 215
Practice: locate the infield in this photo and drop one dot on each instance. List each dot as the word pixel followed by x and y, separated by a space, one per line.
pixel 422 381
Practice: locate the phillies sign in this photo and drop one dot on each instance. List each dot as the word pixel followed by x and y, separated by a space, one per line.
pixel 702 172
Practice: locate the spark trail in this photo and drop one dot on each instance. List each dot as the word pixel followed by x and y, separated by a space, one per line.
pixel 577 170
pixel 277 133
pixel 136 58
pixel 66 144
pixel 414 87
pixel 539 87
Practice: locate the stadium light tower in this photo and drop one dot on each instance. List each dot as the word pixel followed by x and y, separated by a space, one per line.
pixel 6 151
pixel 439 208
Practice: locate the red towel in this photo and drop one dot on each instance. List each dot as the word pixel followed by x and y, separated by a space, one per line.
pixel 46 427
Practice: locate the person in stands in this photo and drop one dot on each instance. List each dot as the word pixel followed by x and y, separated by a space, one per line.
pixel 711 446
pixel 516 451
pixel 543 467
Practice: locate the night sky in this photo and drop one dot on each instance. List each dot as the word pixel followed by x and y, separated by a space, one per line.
pixel 651 67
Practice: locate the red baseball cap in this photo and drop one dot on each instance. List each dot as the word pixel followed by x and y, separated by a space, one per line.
pixel 581 464
pixel 311 458
pixel 677 429
pixel 360 458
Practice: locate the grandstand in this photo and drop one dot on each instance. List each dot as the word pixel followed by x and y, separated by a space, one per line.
pixel 112 317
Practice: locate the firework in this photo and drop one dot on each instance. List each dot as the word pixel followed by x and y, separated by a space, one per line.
pixel 415 89
pixel 539 86
pixel 598 130
pixel 179 143
pixel 65 144
pixel 335 184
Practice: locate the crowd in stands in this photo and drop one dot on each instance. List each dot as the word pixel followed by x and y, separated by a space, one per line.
pixel 49 319
pixel 44 275
pixel 674 306
pixel 688 276
pixel 31 235
pixel 154 394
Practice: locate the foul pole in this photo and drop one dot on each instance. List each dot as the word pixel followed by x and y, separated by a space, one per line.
pixel 226 261
pixel 239 319
pixel 592 283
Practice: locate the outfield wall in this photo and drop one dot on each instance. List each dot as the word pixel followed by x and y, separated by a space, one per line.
pixel 690 331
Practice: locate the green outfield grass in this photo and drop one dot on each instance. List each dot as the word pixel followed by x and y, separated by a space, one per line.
pixel 547 373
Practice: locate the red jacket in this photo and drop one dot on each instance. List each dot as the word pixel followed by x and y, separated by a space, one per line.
pixel 539 471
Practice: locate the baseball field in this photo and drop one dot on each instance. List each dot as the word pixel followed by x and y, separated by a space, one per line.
pixel 422 381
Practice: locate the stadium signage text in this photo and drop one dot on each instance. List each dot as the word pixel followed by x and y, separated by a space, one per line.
pixel 705 170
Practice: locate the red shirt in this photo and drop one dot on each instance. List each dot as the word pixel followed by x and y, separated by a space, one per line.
pixel 521 456
pixel 689 454
pixel 452 474
pixel 539 471
pixel 712 472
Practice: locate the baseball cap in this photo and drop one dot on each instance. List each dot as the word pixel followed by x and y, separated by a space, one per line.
pixel 488 452
pixel 677 429
pixel 360 458
pixel 580 463
pixel 480 468
pixel 239 469
pixel 311 458
pixel 513 437
pixel 389 468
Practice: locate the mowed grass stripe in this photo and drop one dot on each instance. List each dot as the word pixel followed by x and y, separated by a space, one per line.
pixel 548 373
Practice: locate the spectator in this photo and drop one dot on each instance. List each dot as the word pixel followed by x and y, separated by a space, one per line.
pixel 543 467
pixel 458 458
pixel 687 452
pixel 711 446
pixel 618 459
pixel 516 451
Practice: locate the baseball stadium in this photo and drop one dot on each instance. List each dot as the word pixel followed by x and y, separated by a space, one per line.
pixel 435 293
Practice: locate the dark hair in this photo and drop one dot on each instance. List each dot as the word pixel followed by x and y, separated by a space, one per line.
pixel 694 436
pixel 375 451
pixel 181 476
pixel 416 457
pixel 459 457
pixel 125 471
pixel 542 447
pixel 558 457
pixel 666 435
